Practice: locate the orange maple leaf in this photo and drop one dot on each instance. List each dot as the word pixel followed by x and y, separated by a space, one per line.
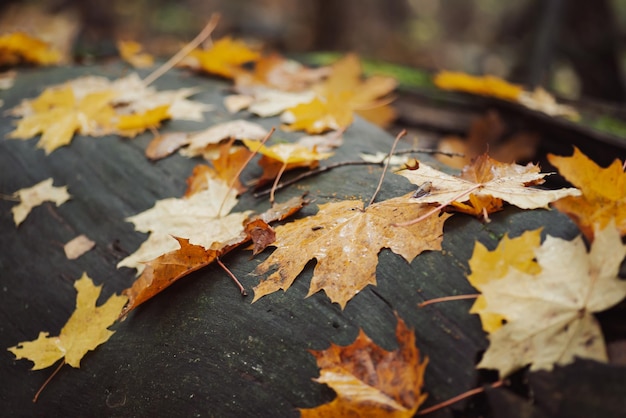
pixel 224 58
pixel 370 381
pixel 603 192
pixel 166 269
pixel 345 239
pixel 18 47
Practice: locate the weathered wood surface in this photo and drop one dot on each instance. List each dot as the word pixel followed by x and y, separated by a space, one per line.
pixel 200 349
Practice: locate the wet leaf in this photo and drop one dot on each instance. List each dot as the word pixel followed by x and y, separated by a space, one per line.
pixel 345 239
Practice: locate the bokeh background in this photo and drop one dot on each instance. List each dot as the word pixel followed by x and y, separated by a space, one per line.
pixel 575 48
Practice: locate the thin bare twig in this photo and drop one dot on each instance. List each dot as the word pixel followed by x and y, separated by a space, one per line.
pixel 202 36
pixel 447 299
pixel 329 167
pixel 278 176
pixel 232 276
pixel 54 373
pixel 243 166
pixel 458 398
pixel 388 160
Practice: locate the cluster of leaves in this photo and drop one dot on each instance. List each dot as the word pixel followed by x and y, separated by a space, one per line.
pixel 520 280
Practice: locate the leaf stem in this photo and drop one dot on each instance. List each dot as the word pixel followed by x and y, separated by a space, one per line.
pixel 441 206
pixel 54 373
pixel 278 176
pixel 232 276
pixel 184 51
pixel 388 160
pixel 243 166
pixel 458 398
pixel 447 299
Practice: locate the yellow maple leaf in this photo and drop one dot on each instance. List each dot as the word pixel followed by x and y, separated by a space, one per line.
pixel 86 329
pixel 518 253
pixel 318 115
pixel 341 95
pixel 603 192
pixel 550 315
pixel 57 115
pixel 132 125
pixel 18 47
pixel 224 57
pixel 131 52
pixel 484 85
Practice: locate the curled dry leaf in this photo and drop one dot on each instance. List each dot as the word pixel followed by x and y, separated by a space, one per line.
pixel 31 197
pixel 345 239
pixel 603 192
pixel 197 218
pixel 164 270
pixel 550 314
pixel 284 157
pixel 209 139
pixel 86 329
pixel 371 381
pixel 166 144
pixel 487 180
pixel 517 253
pixel 279 74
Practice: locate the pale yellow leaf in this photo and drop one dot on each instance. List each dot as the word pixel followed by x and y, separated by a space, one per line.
pixel 31 197
pixel 550 315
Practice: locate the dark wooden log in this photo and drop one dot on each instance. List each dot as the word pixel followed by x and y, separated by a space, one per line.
pixel 200 348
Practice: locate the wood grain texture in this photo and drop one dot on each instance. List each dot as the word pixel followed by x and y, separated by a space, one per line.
pixel 200 349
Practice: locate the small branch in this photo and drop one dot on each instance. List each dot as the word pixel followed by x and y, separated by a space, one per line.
pixel 458 398
pixel 54 373
pixel 232 276
pixel 429 151
pixel 388 159
pixel 441 206
pixel 243 166
pixel 315 172
pixel 202 36
pixel 447 299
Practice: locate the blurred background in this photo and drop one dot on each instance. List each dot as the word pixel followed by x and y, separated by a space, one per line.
pixel 573 47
